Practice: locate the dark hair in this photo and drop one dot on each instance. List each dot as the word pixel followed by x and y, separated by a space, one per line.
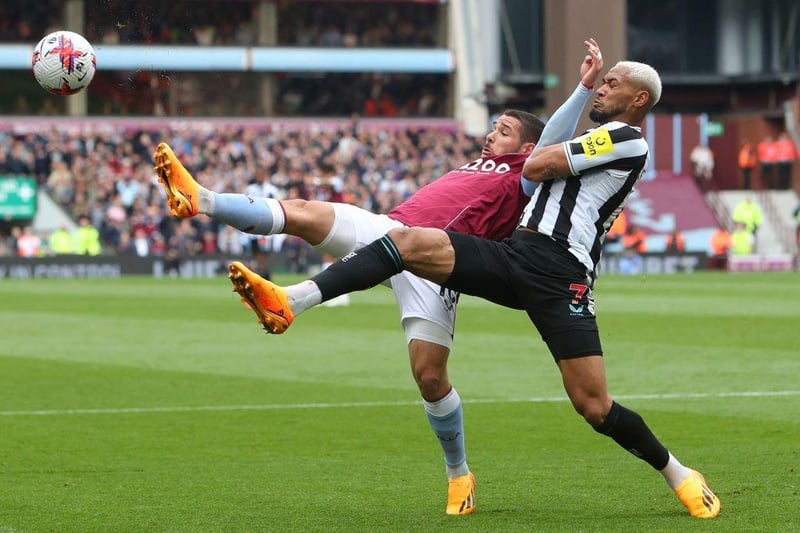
pixel 532 125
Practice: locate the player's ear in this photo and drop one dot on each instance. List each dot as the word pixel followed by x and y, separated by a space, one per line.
pixel 642 99
pixel 527 148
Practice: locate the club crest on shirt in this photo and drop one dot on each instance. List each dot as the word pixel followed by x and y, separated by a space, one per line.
pixel 597 143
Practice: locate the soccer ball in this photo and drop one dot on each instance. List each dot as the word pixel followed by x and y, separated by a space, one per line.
pixel 64 62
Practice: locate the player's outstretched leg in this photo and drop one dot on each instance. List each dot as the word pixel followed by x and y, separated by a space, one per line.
pixel 461 495
pixel 182 191
pixel 268 301
pixel 693 492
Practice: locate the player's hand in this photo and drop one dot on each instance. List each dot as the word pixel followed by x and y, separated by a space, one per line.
pixel 592 64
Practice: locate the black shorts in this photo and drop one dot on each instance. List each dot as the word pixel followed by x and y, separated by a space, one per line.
pixel 532 272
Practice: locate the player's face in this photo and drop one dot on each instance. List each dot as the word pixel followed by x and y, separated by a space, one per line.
pixel 614 97
pixel 505 138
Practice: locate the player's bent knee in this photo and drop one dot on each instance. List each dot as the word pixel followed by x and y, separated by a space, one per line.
pixel 433 385
pixel 402 239
pixel 593 411
pixel 415 243
pixel 294 206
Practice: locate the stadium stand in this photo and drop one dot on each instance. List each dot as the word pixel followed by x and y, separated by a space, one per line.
pixel 669 202
pixel 314 24
pixel 105 170
pixel 306 23
pixel 775 236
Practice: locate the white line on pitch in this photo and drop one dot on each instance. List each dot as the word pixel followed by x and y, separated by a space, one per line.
pixel 283 407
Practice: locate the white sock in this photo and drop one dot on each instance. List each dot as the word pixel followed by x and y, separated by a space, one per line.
pixel 205 200
pixel 674 473
pixel 303 295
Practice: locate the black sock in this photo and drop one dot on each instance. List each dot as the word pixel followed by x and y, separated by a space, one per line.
pixel 629 430
pixel 361 269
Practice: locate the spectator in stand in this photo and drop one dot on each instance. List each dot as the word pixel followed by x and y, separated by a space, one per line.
pixel 116 210
pixel 635 239
pixel 20 159
pixel 297 254
pixel 386 106
pixel 28 243
pixel 172 258
pixel 785 154
pixel 231 241
pixel 209 242
pixel 8 245
pixel 61 182
pixel 748 213
pixel 260 246
pixel 331 37
pixel 126 245
pixel 127 187
pixel 747 163
pixel 87 238
pixel 61 241
pixel 742 241
pixel 158 246
pixel 702 159
pixel 186 239
pixel 766 154
pixel 10 242
pixel 634 244
pixel 719 247
pixel 141 242
pixel 110 234
pixel 676 243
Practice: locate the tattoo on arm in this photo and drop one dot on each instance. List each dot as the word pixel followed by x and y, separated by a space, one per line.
pixel 550 171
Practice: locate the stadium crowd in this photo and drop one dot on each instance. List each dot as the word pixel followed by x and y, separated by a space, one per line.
pixel 105 178
pixel 307 23
pixel 218 22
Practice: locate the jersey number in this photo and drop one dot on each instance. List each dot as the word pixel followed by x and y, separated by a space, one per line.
pixel 487 166
pixel 579 291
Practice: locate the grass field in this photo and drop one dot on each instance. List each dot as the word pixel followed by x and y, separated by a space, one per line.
pixel 159 405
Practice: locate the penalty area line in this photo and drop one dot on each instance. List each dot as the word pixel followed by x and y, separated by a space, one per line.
pixel 286 407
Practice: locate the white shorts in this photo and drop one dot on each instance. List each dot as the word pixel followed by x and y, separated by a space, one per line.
pixel 417 298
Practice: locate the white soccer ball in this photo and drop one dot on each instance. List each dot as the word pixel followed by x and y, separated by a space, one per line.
pixel 64 62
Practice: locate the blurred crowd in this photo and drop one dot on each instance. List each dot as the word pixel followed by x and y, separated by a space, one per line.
pixel 214 22
pixel 219 22
pixel 768 163
pixel 104 180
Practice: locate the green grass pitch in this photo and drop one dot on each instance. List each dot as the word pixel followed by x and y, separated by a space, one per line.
pixel 160 405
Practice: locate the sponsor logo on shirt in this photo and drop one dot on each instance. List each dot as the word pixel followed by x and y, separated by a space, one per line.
pixel 597 143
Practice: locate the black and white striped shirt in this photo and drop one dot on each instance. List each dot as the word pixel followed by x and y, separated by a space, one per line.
pixel 577 211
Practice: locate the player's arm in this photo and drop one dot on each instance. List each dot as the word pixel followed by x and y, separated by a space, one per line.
pixel 599 147
pixel 550 163
pixel 562 124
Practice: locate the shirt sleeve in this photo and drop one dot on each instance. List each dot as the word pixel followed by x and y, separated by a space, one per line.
pixel 560 127
pixel 562 124
pixel 604 146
